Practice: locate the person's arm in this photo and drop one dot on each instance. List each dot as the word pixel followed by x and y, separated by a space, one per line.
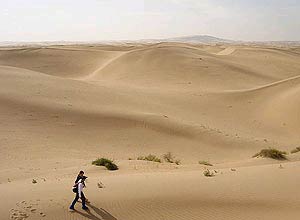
pixel 80 187
pixel 77 179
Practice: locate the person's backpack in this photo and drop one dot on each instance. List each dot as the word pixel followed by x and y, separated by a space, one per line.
pixel 75 188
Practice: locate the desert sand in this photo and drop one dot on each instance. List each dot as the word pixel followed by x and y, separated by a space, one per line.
pixel 61 107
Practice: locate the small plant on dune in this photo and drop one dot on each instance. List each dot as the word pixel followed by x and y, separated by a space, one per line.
pixel 150 157
pixel 177 162
pixel 101 161
pixel 106 163
pixel 208 173
pixel 140 158
pixel 169 157
pixel 206 163
pixel 154 158
pixel 271 153
pixel 111 166
pixel 34 181
pixel 296 150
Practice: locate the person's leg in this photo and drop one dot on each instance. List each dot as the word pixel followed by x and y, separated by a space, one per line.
pixel 74 201
pixel 83 201
pixel 86 200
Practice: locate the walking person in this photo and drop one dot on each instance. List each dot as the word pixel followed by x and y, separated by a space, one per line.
pixel 79 177
pixel 78 189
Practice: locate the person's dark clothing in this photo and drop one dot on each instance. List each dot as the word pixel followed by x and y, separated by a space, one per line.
pixel 76 199
pixel 78 178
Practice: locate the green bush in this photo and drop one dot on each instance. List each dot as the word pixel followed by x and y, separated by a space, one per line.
pixel 150 157
pixel 296 150
pixel 101 161
pixel 271 153
pixel 111 166
pixel 106 163
pixel 206 163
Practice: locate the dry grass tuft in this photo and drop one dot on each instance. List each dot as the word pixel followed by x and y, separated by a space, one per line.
pixel 206 163
pixel 271 153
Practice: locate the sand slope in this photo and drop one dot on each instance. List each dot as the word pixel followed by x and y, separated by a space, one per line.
pixel 63 106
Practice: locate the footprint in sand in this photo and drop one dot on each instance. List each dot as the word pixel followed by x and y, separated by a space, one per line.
pixel 18 214
pixel 24 209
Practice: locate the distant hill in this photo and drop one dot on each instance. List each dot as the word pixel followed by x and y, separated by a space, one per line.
pixel 276 43
pixel 200 39
pixel 195 39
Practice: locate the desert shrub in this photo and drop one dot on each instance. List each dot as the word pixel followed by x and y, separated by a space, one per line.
pixel 101 161
pixel 206 163
pixel 177 162
pixel 208 173
pixel 111 166
pixel 150 157
pixel 168 157
pixel 106 163
pixel 296 150
pixel 34 181
pixel 271 153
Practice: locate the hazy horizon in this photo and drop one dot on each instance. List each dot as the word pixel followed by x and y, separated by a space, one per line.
pixel 104 20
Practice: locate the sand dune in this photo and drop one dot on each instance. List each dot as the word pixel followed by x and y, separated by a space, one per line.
pixel 169 66
pixel 63 106
pixel 62 62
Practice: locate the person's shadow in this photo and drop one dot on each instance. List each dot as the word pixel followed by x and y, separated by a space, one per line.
pixel 104 215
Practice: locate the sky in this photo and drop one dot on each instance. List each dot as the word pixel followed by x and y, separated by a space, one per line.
pixel 97 20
